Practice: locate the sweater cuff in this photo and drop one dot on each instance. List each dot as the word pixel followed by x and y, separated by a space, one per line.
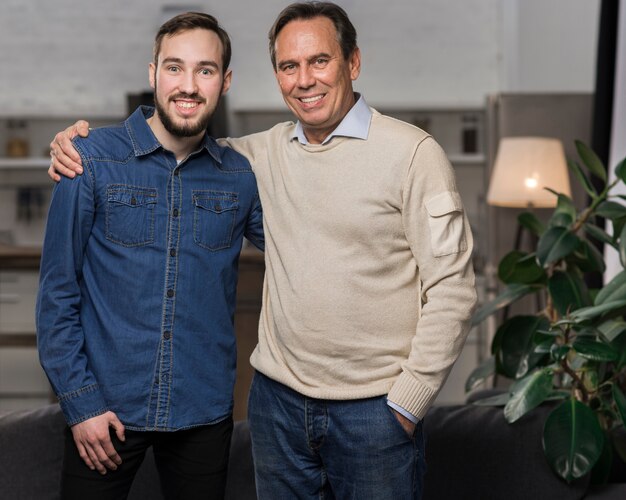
pixel 411 395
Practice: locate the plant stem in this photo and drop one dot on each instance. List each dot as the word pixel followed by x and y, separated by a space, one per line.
pixel 576 380
pixel 584 216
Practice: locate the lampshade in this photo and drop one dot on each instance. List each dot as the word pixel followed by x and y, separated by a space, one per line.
pixel 524 166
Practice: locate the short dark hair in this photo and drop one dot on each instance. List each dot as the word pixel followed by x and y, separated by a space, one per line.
pixel 346 33
pixel 190 21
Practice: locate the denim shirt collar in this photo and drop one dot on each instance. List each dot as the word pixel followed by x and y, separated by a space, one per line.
pixel 355 124
pixel 145 142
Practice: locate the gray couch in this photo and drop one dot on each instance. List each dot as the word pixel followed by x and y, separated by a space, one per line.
pixel 472 453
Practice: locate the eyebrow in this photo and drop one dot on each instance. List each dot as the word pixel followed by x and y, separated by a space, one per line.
pixel 200 64
pixel 286 62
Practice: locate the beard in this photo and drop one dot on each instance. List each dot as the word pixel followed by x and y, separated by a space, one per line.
pixel 186 129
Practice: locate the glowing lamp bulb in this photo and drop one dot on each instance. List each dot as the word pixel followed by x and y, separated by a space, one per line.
pixel 530 182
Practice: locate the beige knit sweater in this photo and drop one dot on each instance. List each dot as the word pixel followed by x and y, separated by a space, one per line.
pixel 356 232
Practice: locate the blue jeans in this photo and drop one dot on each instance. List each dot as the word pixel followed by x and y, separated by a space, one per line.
pixel 307 448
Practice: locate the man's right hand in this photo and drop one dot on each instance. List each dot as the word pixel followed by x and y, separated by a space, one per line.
pixel 65 160
pixel 94 444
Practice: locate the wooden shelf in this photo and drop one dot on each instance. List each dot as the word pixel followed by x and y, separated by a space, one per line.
pixel 19 257
pixel 467 159
pixel 36 163
pixel 18 340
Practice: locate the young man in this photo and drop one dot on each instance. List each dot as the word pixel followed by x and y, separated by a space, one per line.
pixel 138 280
pixel 369 286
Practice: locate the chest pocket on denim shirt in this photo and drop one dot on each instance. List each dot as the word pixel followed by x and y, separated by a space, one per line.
pixel 130 215
pixel 214 218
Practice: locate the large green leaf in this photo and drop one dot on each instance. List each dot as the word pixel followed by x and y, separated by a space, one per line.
pixel 586 313
pixel 613 290
pixel 560 219
pixel 564 213
pixel 587 258
pixel 572 439
pixel 520 267
pixel 594 350
pixel 480 373
pixel 611 210
pixel 558 352
pixel 510 294
pixel 582 178
pixel 612 329
pixel 602 469
pixel 527 394
pixel 568 291
pixel 556 243
pixel 620 402
pixel 622 246
pixel 591 160
pixel 619 344
pixel 516 352
pixel 599 234
pixel 544 346
pixel 529 221
pixel 618 226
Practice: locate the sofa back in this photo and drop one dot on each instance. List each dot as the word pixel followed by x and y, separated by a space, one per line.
pixel 31 455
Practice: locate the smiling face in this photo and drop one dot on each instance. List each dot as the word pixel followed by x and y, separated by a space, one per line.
pixel 188 80
pixel 314 77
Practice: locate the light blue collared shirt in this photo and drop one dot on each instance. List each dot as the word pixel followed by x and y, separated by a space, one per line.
pixel 355 124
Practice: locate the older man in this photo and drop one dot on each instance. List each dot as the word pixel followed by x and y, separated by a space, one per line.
pixel 369 286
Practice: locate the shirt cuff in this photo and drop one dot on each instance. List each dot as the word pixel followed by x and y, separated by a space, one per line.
pixel 403 412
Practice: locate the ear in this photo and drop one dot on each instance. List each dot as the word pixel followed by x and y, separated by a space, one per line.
pixel 152 74
pixel 355 64
pixel 227 81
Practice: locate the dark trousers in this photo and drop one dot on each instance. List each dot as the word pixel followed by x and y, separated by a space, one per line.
pixel 192 464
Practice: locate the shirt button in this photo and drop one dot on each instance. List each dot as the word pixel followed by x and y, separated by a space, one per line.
pixel 218 207
pixel 170 293
pixel 133 201
pixel 176 172
pixel 167 335
pixel 175 212
pixel 164 377
pixel 173 252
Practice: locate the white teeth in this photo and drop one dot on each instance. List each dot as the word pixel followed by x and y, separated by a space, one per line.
pixel 186 104
pixel 311 99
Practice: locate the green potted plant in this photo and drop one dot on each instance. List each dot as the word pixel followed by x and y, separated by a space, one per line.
pixel 573 350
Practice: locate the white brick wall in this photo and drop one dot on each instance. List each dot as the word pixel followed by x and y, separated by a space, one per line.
pixel 68 57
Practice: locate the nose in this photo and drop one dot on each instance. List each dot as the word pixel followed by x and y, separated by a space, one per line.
pixel 188 84
pixel 306 78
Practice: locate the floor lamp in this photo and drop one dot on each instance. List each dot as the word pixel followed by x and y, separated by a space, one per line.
pixel 523 168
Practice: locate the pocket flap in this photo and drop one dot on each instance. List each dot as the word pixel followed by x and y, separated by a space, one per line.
pixel 132 197
pixel 444 203
pixel 217 205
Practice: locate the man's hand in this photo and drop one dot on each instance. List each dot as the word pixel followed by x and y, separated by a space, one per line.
pixel 65 160
pixel 406 424
pixel 94 442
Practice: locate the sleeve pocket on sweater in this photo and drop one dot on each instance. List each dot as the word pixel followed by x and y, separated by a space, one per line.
pixel 447 230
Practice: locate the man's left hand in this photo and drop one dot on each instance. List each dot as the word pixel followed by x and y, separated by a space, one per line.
pixel 406 424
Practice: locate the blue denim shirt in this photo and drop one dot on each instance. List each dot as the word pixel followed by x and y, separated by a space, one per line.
pixel 138 279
